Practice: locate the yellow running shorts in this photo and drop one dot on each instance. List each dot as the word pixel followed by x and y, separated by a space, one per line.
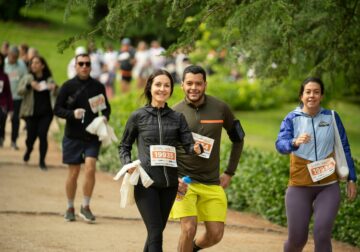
pixel 207 202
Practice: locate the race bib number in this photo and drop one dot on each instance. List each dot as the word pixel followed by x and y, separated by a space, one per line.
pixel 206 142
pixel 1 86
pixel 97 103
pixel 163 155
pixel 321 169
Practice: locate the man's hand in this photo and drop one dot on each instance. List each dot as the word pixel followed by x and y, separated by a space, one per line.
pixel 79 113
pixel 131 170
pixel 182 187
pixel 225 180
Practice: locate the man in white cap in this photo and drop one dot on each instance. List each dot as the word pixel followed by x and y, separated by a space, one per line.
pixel 71 72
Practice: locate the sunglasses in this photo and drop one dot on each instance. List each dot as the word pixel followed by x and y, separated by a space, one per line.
pixel 86 63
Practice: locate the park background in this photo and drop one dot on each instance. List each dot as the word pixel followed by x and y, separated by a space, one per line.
pixel 260 183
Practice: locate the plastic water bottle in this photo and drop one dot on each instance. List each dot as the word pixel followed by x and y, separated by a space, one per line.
pixel 187 180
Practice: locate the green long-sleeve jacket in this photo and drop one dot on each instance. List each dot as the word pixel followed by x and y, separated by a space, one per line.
pixel 208 120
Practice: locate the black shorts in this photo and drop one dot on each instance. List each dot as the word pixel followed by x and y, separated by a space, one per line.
pixel 76 150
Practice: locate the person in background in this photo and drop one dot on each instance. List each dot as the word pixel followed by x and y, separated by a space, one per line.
pixel 23 53
pixel 109 69
pixel 32 52
pixel 81 100
pixel 205 199
pixel 38 90
pixel 154 127
pixel 6 102
pixel 127 61
pixel 157 59
pixel 5 48
pixel 96 57
pixel 307 134
pixel 16 69
pixel 142 68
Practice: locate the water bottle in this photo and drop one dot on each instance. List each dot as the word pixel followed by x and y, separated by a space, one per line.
pixel 180 195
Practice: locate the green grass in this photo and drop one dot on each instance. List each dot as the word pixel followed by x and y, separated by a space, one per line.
pixel 262 127
pixel 44 29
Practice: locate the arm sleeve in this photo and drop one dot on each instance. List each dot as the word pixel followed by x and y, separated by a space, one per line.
pixel 346 146
pixel 7 91
pixel 60 108
pixel 286 135
pixel 186 138
pixel 23 87
pixel 129 136
pixel 236 134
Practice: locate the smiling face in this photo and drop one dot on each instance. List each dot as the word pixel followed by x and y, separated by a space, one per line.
pixel 160 90
pixel 311 97
pixel 194 87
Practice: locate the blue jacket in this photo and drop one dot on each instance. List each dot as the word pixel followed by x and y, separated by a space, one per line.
pixel 321 129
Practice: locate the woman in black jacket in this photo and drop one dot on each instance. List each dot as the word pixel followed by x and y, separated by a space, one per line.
pixel 38 90
pixel 158 130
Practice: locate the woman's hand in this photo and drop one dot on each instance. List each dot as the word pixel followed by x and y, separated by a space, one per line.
pixel 182 187
pixel 351 190
pixel 34 85
pixel 302 139
pixel 131 170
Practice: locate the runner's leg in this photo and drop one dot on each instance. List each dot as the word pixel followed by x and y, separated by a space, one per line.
pixel 71 181
pixel 214 231
pixel 188 232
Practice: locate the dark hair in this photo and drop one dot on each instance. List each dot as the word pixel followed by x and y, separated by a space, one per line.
pixel 2 62
pixel 306 81
pixel 194 70
pixel 46 70
pixel 81 55
pixel 150 80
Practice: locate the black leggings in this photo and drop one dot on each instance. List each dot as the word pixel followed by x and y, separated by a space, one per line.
pixel 38 126
pixel 154 205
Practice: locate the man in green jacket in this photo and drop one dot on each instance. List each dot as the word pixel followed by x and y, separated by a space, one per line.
pixel 205 199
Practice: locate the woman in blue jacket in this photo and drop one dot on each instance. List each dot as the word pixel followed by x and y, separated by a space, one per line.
pixel 307 134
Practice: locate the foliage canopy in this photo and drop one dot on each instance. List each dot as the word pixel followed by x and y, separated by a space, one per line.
pixel 279 38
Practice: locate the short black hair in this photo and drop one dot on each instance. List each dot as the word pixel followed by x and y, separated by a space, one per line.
pixel 194 70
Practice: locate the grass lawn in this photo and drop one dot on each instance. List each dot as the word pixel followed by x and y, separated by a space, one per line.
pixel 262 127
pixel 44 29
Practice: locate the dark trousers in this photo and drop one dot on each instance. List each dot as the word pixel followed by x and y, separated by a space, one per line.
pixel 15 121
pixel 301 203
pixel 38 126
pixel 3 116
pixel 154 205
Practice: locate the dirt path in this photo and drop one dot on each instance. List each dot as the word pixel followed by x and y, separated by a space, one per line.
pixel 32 203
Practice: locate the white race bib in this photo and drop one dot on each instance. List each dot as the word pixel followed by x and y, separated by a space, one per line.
pixel 163 155
pixel 321 169
pixel 97 103
pixel 206 142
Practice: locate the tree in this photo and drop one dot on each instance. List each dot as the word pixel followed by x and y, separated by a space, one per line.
pixel 281 38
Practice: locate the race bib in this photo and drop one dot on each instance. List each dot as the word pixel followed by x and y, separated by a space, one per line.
pixel 206 142
pixel 97 103
pixel 1 86
pixel 321 169
pixel 163 155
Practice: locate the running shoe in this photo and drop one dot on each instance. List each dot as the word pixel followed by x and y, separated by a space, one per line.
pixel 86 214
pixel 70 214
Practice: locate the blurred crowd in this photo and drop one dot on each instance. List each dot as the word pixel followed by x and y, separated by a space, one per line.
pixel 111 66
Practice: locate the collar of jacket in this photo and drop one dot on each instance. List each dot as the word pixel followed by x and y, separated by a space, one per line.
pixel 190 104
pixel 154 110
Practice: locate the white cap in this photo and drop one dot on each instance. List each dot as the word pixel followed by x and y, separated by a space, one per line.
pixel 80 50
